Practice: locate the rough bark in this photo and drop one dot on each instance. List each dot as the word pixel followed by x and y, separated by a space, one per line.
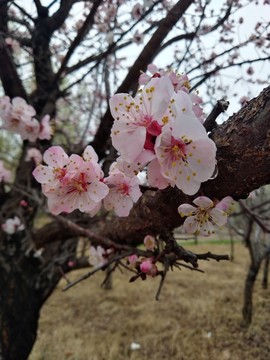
pixel 26 282
pixel 8 72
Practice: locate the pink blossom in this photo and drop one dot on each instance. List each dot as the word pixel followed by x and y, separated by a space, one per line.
pixel 33 154
pixel 14 44
pixel 12 225
pixel 154 176
pixel 23 203
pixel 21 110
pixel 202 219
pixel 152 68
pixel 80 187
pixel 227 205
pixel 144 78
pixel 186 155
pixel 71 182
pixel 244 100
pixel 71 264
pixel 147 267
pixel 138 121
pixel 5 175
pixel 45 131
pixel 138 37
pixel 179 82
pixel 137 11
pixel 131 169
pixel 133 259
pixel 28 129
pixel 184 150
pixel 149 242
pixel 96 256
pixel 124 191
pixel 55 172
pixel 18 117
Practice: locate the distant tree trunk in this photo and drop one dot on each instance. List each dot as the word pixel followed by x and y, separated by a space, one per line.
pixel 265 272
pixel 231 244
pixel 248 292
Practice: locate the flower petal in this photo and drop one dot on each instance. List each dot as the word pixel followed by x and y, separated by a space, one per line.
pixel 203 202
pixel 55 157
pixel 187 210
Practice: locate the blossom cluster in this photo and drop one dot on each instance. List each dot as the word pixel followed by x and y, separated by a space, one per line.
pixel 144 265
pixel 77 182
pixel 159 131
pixel 98 257
pixel 18 117
pixel 12 225
pixel 161 128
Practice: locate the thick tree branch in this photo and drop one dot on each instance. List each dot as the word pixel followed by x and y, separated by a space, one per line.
pixel 11 82
pixel 241 141
pixel 243 159
pixel 60 16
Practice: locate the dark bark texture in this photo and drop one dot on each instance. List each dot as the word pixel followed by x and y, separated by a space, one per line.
pixel 26 282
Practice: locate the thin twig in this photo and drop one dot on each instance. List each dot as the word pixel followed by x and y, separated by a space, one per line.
pixel 101 267
pixel 209 255
pixel 161 283
pixel 178 265
pixel 210 122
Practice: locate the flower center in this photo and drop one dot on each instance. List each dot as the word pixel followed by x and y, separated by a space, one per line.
pixel 81 184
pixel 124 189
pixel 59 173
pixel 178 150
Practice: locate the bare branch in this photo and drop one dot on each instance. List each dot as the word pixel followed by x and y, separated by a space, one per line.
pixel 88 23
pixel 210 122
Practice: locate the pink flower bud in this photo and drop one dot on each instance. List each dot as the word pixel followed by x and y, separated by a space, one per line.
pixel 149 242
pixel 148 267
pixel 23 203
pixel 133 259
pixel 71 264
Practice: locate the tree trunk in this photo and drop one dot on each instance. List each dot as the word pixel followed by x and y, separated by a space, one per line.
pixel 248 292
pixel 26 282
pixel 265 272
pixel 19 314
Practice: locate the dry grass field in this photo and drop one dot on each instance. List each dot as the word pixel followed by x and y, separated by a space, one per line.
pixel 197 317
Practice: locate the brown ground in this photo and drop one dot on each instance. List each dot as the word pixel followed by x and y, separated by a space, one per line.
pixel 198 317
